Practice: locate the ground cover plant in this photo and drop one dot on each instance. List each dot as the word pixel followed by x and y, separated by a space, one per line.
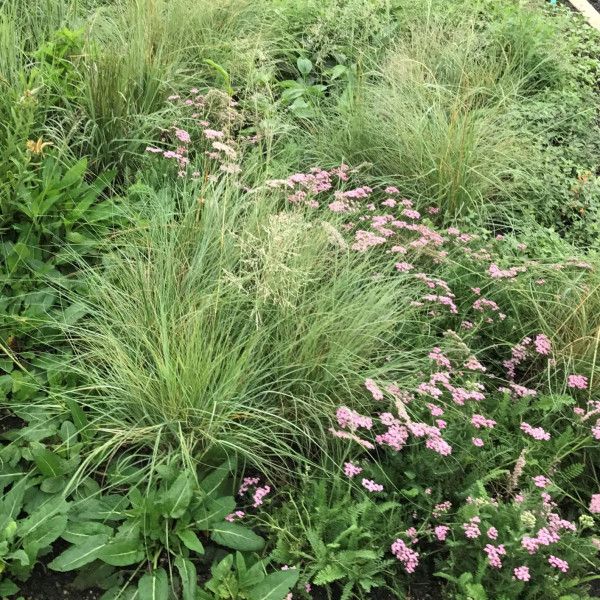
pixel 299 300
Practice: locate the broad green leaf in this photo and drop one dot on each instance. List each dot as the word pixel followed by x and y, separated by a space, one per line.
pixel 154 586
pixel 74 312
pixel 213 511
pixel 13 500
pixel 48 531
pixel 178 496
pixel 46 461
pixel 80 554
pixel 191 541
pixel 304 66
pixel 121 553
pixel 254 575
pixel 75 173
pixel 79 418
pixel 36 522
pixel 211 483
pixel 8 588
pixel 293 93
pixel 337 71
pixel 236 537
pixel 221 569
pixel 53 485
pixel 107 508
pixel 275 586
pixel 79 532
pixel 19 555
pixel 189 577
pixel 117 592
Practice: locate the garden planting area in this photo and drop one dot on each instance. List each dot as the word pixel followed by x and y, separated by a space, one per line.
pixel 299 299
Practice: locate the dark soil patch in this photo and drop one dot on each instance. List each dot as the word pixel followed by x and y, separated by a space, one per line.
pixel 44 584
pixel 10 422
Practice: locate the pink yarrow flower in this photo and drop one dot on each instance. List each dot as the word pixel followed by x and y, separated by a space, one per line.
pixel 578 381
pixel 404 554
pixel 351 469
pixel 522 573
pixel 374 389
pixel 558 563
pixel 541 481
pixel 371 486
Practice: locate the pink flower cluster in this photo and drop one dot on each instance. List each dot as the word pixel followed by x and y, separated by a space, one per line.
pixel 232 517
pixel 578 381
pixel 522 573
pixel 544 537
pixel 471 528
pixel 352 420
pixel 371 486
pixel 494 553
pixel 543 345
pixel 442 508
pixel 259 494
pixel 404 554
pixel 558 563
pixel 535 432
pixel 374 389
pixel 541 481
pixel 247 483
pixel 351 469
pixel 480 421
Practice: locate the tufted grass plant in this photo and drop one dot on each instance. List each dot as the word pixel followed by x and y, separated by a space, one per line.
pixel 239 331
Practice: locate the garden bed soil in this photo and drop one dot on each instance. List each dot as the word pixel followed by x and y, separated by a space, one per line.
pixel 51 585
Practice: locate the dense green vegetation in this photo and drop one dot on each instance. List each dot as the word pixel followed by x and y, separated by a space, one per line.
pixel 299 299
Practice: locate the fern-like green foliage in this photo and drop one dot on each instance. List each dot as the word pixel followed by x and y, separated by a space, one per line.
pixel 338 537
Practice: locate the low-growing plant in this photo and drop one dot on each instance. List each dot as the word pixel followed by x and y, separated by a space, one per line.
pixel 334 534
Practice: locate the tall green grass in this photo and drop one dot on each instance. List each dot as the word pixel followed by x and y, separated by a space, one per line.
pixel 242 331
pixel 437 116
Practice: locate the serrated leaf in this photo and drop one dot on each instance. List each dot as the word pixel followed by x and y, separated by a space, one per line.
pixel 236 537
pixel 80 554
pixel 154 586
pixel 275 586
pixel 190 540
pixel 188 576
pixel 329 574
